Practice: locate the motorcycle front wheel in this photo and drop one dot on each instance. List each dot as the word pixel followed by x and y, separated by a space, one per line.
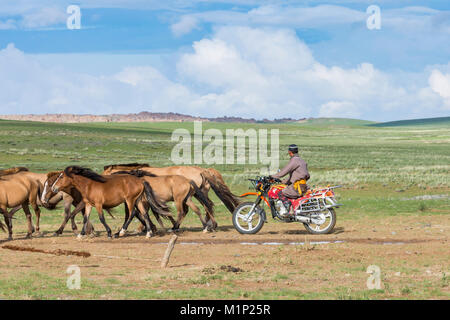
pixel 248 218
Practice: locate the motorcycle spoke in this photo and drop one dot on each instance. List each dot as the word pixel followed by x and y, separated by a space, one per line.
pixel 242 217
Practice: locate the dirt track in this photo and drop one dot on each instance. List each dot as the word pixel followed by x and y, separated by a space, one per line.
pixel 280 257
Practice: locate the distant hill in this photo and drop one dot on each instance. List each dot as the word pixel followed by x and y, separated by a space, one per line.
pixel 336 122
pixel 415 122
pixel 135 117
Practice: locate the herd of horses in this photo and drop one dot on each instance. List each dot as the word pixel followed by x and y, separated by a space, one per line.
pixel 140 187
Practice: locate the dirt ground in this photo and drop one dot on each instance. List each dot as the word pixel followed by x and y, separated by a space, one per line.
pixel 281 262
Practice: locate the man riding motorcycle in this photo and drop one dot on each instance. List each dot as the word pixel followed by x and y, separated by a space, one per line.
pixel 297 169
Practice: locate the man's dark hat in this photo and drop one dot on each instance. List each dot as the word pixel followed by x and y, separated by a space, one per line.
pixel 293 148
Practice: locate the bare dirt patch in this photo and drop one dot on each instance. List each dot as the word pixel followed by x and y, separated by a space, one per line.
pixel 286 262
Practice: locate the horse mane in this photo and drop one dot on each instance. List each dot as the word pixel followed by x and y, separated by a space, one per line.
pixel 13 170
pixel 126 165
pixel 52 174
pixel 137 173
pixel 84 172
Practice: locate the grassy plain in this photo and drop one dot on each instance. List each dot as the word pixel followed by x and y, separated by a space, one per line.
pixel 396 215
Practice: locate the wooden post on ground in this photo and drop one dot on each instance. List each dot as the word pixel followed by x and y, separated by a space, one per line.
pixel 168 252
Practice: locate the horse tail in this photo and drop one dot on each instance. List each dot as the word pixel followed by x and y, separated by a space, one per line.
pixel 221 190
pixel 2 226
pixel 157 206
pixel 203 199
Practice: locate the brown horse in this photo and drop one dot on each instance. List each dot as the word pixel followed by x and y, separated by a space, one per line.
pixel 18 189
pixel 203 178
pixel 70 196
pixel 179 190
pixel 102 191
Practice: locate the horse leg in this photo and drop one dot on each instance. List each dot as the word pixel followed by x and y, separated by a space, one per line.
pixel 86 214
pixel 30 221
pixel 102 219
pixel 151 228
pixel 205 190
pixel 89 228
pixel 141 227
pixel 158 219
pixel 126 222
pixel 37 212
pixel 182 211
pixel 192 205
pixel 8 221
pixel 68 215
pixel 14 210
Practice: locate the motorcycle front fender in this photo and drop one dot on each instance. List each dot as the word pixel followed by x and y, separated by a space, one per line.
pixel 255 194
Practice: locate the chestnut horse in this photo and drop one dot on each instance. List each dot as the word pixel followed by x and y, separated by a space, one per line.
pixel 179 190
pixel 203 178
pixel 71 196
pixel 18 189
pixel 108 191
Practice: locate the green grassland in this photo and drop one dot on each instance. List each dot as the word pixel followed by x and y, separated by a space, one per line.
pixel 385 171
pixel 382 163
pixel 341 152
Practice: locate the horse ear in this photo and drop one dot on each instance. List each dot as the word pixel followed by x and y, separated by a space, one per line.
pixel 68 171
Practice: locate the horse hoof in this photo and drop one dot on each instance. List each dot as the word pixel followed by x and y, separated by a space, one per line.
pixel 149 235
pixel 56 234
pixel 122 233
pixel 92 235
pixel 80 237
pixel 10 238
pixel 28 236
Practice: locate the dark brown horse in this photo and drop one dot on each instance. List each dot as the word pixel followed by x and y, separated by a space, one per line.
pixel 106 191
pixel 179 190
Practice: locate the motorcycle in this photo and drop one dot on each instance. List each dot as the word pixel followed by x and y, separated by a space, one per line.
pixel 315 209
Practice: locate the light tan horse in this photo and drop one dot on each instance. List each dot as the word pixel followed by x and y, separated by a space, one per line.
pixel 18 189
pixel 40 179
pixel 109 191
pixel 179 190
pixel 203 178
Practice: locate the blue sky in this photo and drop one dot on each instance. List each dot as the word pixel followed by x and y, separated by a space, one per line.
pixel 261 59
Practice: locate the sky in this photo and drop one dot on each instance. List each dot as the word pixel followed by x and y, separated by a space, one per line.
pixel 248 58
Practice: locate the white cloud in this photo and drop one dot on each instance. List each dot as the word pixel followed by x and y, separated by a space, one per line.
pixel 239 71
pixel 402 20
pixel 184 26
pixel 8 24
pixel 272 73
pixel 440 84
pixel 32 18
pixel 339 109
pixel 43 17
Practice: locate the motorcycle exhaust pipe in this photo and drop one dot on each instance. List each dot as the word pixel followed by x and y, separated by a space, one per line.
pixel 303 219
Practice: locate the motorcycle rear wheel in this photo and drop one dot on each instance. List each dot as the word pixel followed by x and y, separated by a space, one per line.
pixel 241 222
pixel 328 227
